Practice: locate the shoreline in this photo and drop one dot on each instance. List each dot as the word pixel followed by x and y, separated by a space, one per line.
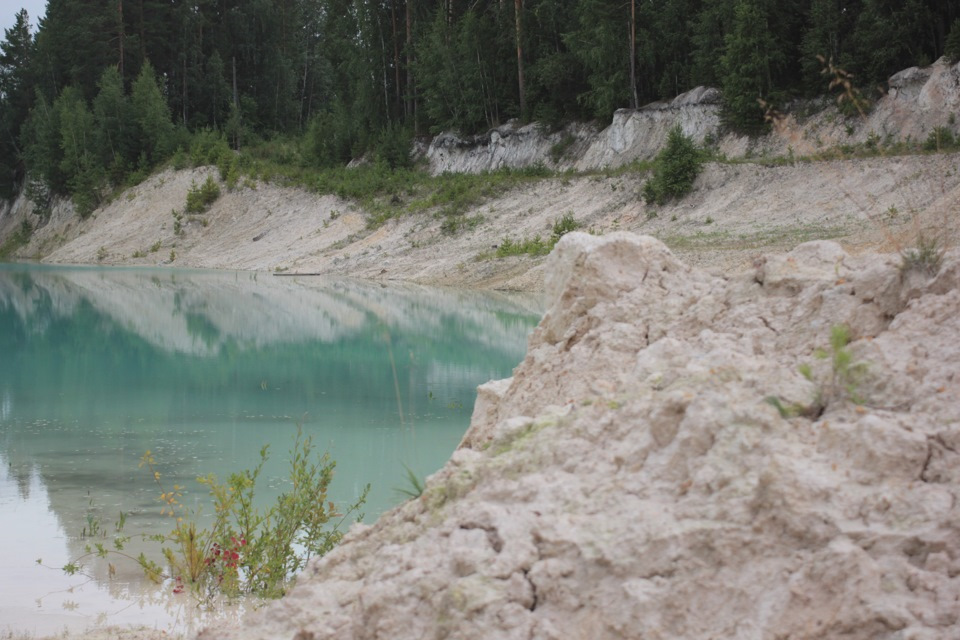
pixel 735 214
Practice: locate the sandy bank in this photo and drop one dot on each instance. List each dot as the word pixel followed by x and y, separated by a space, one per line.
pixel 735 214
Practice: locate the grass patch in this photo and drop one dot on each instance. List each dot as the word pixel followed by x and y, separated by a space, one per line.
pixel 536 246
pixel 767 238
pixel 385 193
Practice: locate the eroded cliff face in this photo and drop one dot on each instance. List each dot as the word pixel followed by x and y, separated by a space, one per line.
pixel 633 479
pixel 634 134
pixel 917 101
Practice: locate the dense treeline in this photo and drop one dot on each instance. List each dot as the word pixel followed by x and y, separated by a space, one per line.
pixel 106 89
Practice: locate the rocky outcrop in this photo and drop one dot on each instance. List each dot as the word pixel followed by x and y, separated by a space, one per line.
pixel 658 467
pixel 635 134
pixel 639 134
pixel 510 146
pixel 917 101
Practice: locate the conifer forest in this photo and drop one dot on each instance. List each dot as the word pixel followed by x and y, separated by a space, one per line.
pixel 105 89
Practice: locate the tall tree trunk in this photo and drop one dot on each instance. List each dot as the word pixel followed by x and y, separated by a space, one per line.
pixel 236 100
pixel 143 35
pixel 303 91
pixel 411 108
pixel 518 4
pixel 120 15
pixel 386 76
pixel 184 112
pixel 396 57
pixel 635 102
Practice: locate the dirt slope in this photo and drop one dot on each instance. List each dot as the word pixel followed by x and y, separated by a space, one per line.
pixel 736 212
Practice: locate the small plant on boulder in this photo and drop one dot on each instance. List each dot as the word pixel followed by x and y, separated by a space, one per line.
pixel 926 256
pixel 841 383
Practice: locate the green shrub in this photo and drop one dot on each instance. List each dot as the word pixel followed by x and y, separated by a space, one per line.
pixel 940 139
pixel 845 375
pixel 394 146
pixel 245 550
pixel 229 167
pixel 207 147
pixel 199 198
pixel 180 160
pixel 328 140
pixel 177 222
pixel 454 224
pixel 39 193
pixel 562 227
pixel 534 247
pixel 674 170
pixel 926 257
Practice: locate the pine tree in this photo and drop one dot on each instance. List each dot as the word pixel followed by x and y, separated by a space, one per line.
pixel 888 37
pixel 42 151
pixel 555 76
pixel 16 56
pixel 79 165
pixel 71 47
pixel 830 24
pixel 952 47
pixel 156 131
pixel 16 95
pixel 215 96
pixel 710 28
pixel 748 62
pixel 114 126
pixel 600 42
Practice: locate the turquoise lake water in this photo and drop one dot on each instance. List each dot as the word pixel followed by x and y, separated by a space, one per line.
pixel 203 369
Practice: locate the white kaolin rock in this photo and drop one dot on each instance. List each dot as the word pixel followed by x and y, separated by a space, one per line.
pixel 635 480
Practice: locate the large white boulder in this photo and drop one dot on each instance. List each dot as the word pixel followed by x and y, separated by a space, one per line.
pixel 634 480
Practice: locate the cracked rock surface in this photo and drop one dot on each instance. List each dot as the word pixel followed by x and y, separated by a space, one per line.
pixel 658 467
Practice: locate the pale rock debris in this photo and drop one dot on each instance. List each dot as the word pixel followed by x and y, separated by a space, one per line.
pixel 916 102
pixel 632 480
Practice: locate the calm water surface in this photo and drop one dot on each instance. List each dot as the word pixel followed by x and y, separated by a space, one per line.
pixel 203 369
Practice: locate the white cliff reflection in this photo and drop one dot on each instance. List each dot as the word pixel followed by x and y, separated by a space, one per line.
pixel 203 369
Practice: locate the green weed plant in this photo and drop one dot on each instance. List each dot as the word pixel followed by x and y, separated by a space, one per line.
pixel 246 550
pixel 414 488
